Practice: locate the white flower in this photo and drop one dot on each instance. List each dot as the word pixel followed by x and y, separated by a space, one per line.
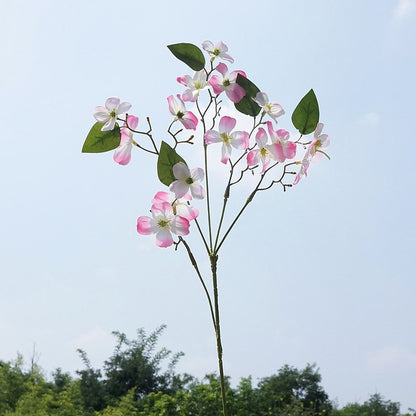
pixel 274 110
pixel 187 180
pixel 108 114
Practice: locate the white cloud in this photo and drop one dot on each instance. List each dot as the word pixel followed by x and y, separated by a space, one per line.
pixel 403 10
pixel 390 358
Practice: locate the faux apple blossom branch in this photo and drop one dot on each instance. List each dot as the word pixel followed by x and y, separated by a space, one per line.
pixel 172 213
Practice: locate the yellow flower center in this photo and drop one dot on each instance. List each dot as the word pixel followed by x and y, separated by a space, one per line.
pixel 163 223
pixel 225 138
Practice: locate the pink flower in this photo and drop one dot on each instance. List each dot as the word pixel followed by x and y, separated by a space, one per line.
pixel 187 118
pixel 163 223
pixel 219 50
pixel 265 152
pixel 228 83
pixel 284 148
pixel 303 172
pixel 187 180
pixel 195 84
pixel 180 206
pixel 108 114
pixel 319 141
pixel 122 154
pixel 237 139
pixel 313 154
pixel 274 110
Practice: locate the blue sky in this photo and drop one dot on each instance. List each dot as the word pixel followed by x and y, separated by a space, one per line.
pixel 321 273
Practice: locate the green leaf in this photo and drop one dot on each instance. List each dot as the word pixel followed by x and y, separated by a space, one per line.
pixel 246 105
pixel 167 158
pixel 306 115
pixel 99 141
pixel 190 54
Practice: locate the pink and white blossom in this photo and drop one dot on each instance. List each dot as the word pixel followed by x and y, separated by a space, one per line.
pixel 265 152
pixel 285 149
pixel 313 153
pixel 303 172
pixel 219 50
pixel 109 113
pixel 122 155
pixel 195 84
pixel 319 141
pixel 237 139
pixel 228 83
pixel 187 180
pixel 177 108
pixel 180 206
pixel 274 109
pixel 163 223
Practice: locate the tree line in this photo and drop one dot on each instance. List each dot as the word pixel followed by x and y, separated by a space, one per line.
pixel 140 380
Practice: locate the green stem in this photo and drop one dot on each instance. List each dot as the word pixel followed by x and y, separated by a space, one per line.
pixel 214 259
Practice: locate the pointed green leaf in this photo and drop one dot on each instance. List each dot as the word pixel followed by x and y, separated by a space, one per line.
pixel 190 54
pixel 246 105
pixel 99 141
pixel 167 158
pixel 306 115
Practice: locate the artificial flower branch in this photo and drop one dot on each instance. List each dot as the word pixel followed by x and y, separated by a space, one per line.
pixel 258 151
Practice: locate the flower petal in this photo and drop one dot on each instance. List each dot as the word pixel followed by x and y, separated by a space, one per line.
pixel 101 114
pixel 240 140
pixel 197 174
pixel 216 84
pixel 261 137
pixel 226 124
pixel 189 120
pixel 164 238
pixel 212 136
pixel 181 171
pixel 197 191
pixel 144 225
pixel 109 125
pixel 289 150
pixel 180 225
pixel 208 45
pixel 173 105
pixel 261 98
pixel 225 153
pixel 179 188
pixel 235 93
pixel 253 157
pixel 123 108
pixel 122 155
pixel 112 103
pixel 132 122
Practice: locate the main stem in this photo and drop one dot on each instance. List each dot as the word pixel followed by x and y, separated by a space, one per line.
pixel 214 259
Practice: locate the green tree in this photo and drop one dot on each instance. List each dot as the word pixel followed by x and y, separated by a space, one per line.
pixel 156 404
pixel 290 386
pixel 376 405
pixel 246 402
pixel 91 386
pixel 204 398
pixel 13 384
pixel 136 365
pixel 125 406
pixel 61 380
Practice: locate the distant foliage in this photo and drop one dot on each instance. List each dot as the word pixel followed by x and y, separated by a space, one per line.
pixel 139 380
